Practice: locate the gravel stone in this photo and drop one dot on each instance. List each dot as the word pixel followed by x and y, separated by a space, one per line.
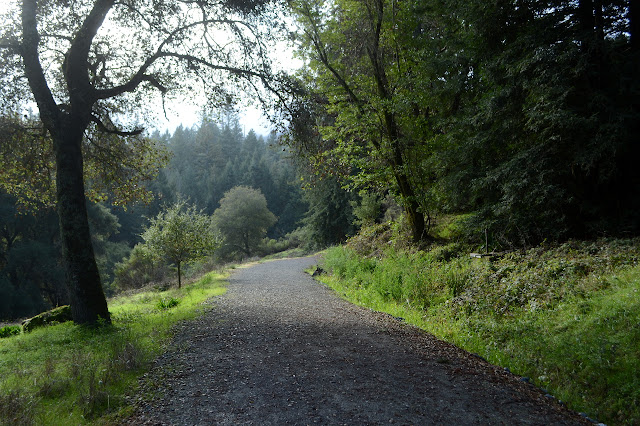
pixel 280 348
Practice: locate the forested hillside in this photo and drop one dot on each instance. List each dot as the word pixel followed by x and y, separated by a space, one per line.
pixel 206 161
pixel 523 115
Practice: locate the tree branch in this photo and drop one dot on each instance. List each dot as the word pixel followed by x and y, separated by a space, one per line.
pixel 75 64
pixel 49 111
pixel 324 58
pixel 105 129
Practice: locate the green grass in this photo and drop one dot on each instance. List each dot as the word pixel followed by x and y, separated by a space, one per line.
pixel 566 316
pixel 67 374
pixel 290 253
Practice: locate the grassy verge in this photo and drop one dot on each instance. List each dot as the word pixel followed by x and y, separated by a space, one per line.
pixel 66 374
pixel 567 316
pixel 294 252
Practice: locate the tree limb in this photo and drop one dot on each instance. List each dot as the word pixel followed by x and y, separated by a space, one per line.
pixel 49 111
pixel 77 58
pixel 105 129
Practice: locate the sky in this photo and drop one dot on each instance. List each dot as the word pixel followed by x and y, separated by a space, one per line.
pixel 188 114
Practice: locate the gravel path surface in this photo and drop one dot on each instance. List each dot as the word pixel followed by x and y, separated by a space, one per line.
pixel 279 348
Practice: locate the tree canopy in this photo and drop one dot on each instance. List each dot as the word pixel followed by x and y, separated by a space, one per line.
pixel 523 115
pixel 95 68
pixel 243 219
pixel 180 234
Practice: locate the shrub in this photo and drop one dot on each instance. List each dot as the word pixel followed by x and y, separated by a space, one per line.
pixel 139 270
pixel 10 330
pixel 167 303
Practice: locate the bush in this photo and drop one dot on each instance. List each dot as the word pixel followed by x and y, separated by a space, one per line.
pixel 167 303
pixel 10 330
pixel 139 270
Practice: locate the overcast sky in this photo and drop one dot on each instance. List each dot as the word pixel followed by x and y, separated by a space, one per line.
pixel 189 114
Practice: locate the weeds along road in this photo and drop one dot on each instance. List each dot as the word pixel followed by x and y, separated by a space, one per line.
pixel 280 348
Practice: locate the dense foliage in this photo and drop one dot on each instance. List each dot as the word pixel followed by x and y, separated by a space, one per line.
pixel 243 219
pixel 210 159
pixel 523 114
pixel 180 234
pixel 31 272
pixel 90 67
pixel 206 161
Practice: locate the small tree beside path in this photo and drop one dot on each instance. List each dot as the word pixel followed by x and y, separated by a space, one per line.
pixel 181 234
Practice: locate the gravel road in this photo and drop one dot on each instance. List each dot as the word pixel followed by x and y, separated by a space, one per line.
pixel 279 348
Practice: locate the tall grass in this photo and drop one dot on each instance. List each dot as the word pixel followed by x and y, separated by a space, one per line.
pixel 67 374
pixel 567 316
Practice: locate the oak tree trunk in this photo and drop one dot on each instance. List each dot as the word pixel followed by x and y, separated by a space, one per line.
pixel 88 302
pixel 66 127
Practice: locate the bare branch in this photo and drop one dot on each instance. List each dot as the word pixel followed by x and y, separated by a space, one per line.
pixel 105 129
pixel 141 75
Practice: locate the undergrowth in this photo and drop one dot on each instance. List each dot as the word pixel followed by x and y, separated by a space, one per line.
pixel 567 316
pixel 67 374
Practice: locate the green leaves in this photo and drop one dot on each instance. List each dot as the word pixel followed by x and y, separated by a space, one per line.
pixel 180 234
pixel 243 219
pixel 27 166
pixel 116 168
pixel 524 113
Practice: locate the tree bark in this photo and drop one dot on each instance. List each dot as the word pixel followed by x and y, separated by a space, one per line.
pixel 88 302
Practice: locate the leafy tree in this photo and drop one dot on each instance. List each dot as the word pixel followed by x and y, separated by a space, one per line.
pixel 180 234
pixel 243 219
pixel 524 114
pixel 544 146
pixel 375 96
pixel 88 63
pixel 210 159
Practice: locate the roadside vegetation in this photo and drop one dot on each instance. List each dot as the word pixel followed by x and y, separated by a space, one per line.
pixel 69 374
pixel 567 316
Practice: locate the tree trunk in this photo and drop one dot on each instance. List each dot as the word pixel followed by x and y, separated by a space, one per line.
pixel 412 210
pixel 411 206
pixel 88 302
pixel 634 23
pixel 179 275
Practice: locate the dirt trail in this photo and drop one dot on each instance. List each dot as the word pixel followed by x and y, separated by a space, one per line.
pixel 279 348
